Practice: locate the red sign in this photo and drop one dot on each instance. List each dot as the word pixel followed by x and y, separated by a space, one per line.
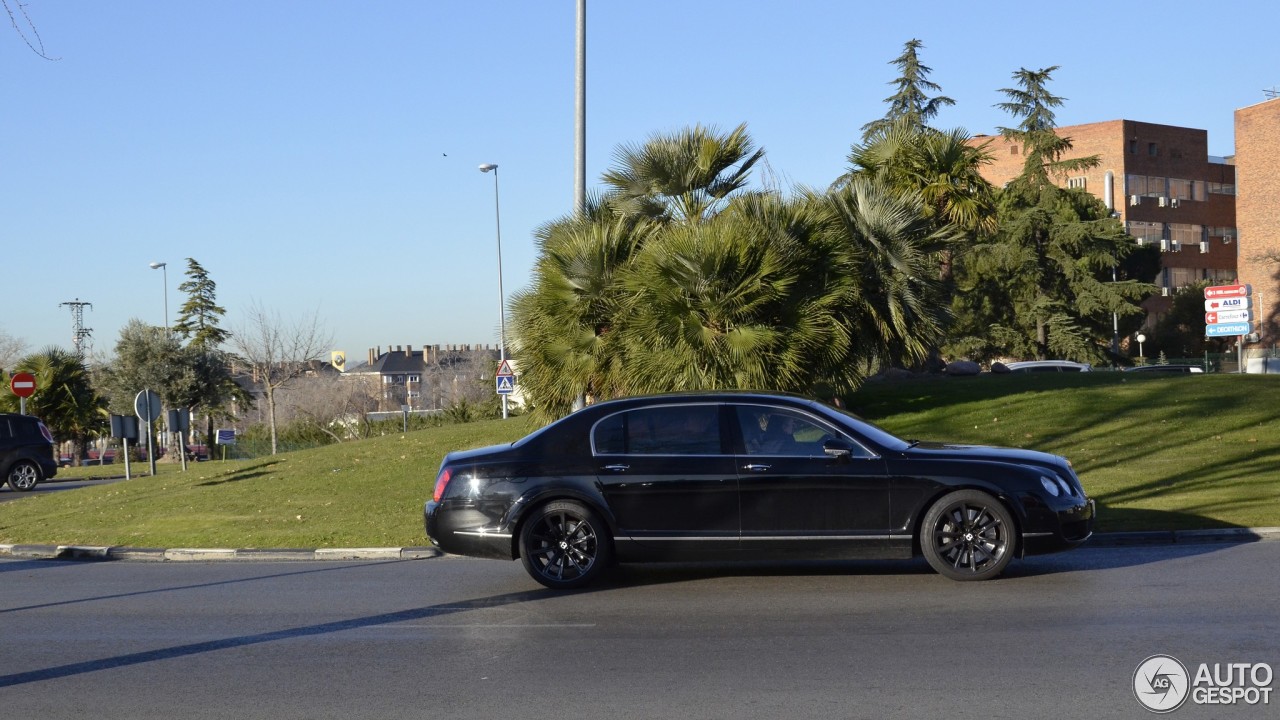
pixel 1222 291
pixel 504 370
pixel 23 384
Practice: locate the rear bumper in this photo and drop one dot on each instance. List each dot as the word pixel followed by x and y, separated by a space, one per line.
pixel 456 529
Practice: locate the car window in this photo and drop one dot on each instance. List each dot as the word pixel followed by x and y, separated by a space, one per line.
pixel 664 430
pixel 779 432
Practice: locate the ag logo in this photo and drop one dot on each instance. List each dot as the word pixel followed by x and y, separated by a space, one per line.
pixel 1161 683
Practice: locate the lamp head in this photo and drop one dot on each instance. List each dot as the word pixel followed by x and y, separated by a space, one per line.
pixel 157 265
pixel 487 167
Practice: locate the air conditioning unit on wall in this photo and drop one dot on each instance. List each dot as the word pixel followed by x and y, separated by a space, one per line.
pixel 1164 292
pixel 1162 201
pixel 1174 202
pixel 1204 246
pixel 1135 199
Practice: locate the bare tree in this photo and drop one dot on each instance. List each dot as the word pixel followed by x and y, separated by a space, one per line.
pixel 11 349
pixel 26 29
pixel 337 406
pixel 278 352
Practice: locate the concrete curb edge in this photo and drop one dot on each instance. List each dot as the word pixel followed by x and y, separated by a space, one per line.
pixel 96 552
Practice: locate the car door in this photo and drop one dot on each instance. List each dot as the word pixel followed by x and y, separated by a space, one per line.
pixel 668 478
pixel 797 498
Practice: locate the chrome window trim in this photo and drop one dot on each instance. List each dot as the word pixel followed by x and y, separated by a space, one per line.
pixel 817 420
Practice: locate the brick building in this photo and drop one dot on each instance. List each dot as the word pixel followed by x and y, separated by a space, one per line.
pixel 1257 149
pixel 1162 183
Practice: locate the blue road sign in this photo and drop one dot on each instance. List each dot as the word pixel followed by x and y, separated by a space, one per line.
pixel 1225 329
pixel 506 384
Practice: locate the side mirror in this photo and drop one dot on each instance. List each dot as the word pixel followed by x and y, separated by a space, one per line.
pixel 838 449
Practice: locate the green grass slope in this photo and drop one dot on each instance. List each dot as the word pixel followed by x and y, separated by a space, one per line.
pixel 1157 453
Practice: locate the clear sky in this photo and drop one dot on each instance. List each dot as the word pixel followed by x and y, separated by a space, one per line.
pixel 323 155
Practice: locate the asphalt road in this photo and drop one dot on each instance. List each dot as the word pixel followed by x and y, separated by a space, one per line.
pixel 7 494
pixel 1058 637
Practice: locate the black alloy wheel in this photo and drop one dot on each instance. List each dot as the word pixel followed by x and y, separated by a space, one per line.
pixel 968 535
pixel 564 545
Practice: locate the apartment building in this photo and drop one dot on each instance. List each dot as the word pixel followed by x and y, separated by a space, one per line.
pixel 429 378
pixel 1162 183
pixel 1257 149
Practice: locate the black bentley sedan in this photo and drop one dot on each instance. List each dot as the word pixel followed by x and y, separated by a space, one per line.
pixel 747 475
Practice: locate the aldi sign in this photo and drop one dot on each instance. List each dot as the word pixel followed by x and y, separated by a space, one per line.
pixel 1230 303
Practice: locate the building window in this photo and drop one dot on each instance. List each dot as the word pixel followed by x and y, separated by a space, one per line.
pixel 414 379
pixel 1077 183
pixel 1182 277
pixel 1013 149
pixel 1186 234
pixel 1222 188
pixel 1146 233
pixel 1152 150
pixel 1179 188
pixel 1133 147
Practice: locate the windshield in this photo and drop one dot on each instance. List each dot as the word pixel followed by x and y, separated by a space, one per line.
pixel 869 430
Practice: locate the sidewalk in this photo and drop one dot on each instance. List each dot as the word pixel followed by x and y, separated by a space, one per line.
pixel 89 552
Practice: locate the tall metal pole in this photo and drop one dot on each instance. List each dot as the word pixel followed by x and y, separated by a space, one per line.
pixel 580 115
pixel 502 297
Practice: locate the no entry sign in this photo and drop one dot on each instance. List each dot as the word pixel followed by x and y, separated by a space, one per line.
pixel 23 384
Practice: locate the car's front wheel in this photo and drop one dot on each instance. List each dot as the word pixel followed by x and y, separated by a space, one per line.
pixel 968 535
pixel 24 475
pixel 564 545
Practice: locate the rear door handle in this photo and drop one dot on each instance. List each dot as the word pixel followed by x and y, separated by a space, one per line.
pixel 756 467
pixel 617 468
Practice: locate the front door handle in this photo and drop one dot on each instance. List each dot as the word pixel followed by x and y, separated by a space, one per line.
pixel 756 467
pixel 617 468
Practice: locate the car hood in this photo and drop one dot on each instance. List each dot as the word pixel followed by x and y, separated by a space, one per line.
pixel 987 453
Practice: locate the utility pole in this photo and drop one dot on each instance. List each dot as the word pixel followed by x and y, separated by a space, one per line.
pixel 81 336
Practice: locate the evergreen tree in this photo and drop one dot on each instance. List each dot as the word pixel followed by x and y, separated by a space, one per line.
pixel 1041 284
pixel 199 316
pixel 911 103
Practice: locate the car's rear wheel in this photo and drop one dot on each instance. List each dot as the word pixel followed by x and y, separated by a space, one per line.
pixel 24 475
pixel 564 545
pixel 968 535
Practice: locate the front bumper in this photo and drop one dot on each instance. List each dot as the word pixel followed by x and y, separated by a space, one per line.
pixel 1050 530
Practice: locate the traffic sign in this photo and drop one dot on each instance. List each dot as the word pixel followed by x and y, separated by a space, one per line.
pixel 147 405
pixel 1231 303
pixel 506 384
pixel 1223 291
pixel 505 369
pixel 1228 316
pixel 1226 329
pixel 23 384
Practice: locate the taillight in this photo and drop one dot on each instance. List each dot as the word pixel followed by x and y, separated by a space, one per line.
pixel 442 481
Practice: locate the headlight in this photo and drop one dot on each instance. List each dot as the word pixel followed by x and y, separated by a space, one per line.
pixel 1050 486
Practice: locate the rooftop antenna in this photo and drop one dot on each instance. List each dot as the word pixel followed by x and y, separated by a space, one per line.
pixel 1271 92
pixel 81 336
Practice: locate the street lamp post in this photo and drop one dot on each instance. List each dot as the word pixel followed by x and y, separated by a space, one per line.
pixel 1141 339
pixel 164 267
pixel 502 298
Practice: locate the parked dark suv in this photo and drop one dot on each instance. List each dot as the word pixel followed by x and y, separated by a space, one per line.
pixel 26 451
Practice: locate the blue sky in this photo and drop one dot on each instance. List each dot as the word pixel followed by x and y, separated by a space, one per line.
pixel 321 156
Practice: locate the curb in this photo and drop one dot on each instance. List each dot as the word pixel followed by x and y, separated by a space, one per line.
pixel 97 552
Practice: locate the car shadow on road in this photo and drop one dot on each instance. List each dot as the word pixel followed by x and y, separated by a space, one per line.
pixel 178 651
pixel 1035 566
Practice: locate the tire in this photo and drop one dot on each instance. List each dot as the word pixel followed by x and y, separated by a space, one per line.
pixel 968 535
pixel 24 475
pixel 564 545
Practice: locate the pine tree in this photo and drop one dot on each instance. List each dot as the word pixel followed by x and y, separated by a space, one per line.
pixel 1041 284
pixel 199 316
pixel 911 102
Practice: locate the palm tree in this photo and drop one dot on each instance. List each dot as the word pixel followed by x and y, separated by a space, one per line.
pixel 65 399
pixel 683 177
pixel 891 250
pixel 564 325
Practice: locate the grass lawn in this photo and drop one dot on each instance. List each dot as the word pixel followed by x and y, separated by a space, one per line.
pixel 1157 452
